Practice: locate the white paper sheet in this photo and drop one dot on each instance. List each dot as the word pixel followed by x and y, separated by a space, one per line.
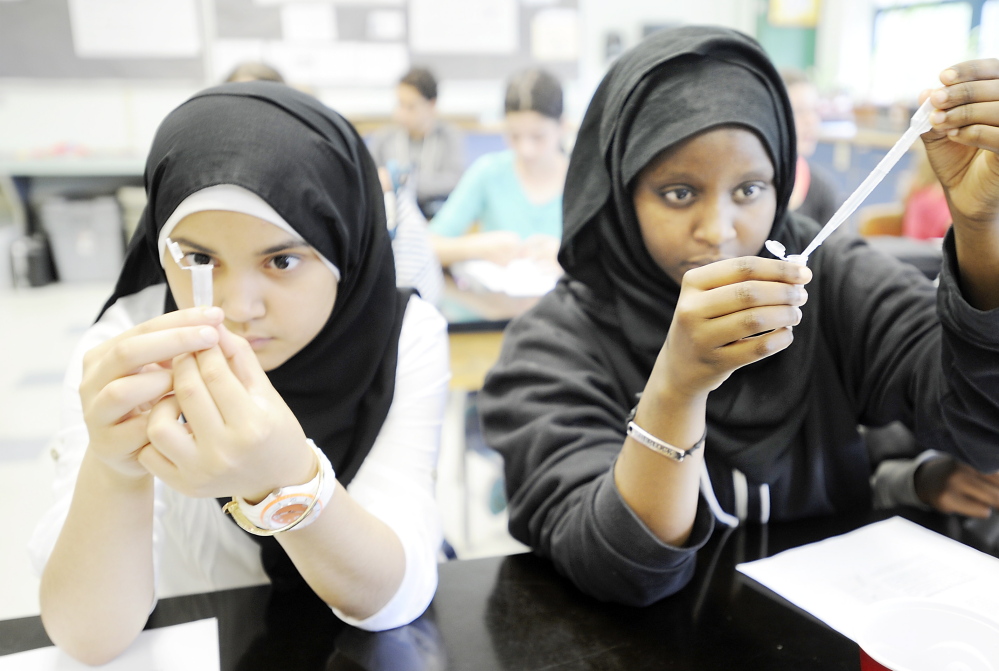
pixel 521 277
pixel 835 579
pixel 193 646
pixel 136 28
pixel 463 27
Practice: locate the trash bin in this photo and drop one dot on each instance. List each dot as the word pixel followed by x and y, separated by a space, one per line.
pixel 29 260
pixel 86 237
pixel 8 233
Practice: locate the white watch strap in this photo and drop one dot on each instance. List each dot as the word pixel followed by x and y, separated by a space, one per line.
pixel 285 505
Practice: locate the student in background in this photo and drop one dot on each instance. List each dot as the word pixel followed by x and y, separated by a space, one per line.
pixel 679 374
pixel 815 194
pixel 925 214
pixel 432 151
pixel 251 71
pixel 312 391
pixel 514 196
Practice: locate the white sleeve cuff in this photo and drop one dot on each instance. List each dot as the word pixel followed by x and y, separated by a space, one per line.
pixel 894 482
pixel 408 602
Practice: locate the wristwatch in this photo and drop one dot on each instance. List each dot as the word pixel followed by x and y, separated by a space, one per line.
pixel 287 508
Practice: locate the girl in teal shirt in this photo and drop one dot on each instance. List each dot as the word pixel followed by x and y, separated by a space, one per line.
pixel 515 196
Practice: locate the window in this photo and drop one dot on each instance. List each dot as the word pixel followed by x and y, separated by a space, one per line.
pixel 914 42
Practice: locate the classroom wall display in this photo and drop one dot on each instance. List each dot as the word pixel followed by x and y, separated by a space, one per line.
pixel 115 39
pixel 322 43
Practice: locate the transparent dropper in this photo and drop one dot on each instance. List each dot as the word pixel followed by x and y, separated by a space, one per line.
pixel 919 124
pixel 201 275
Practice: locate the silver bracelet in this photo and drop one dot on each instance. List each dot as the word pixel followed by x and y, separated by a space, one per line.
pixel 662 447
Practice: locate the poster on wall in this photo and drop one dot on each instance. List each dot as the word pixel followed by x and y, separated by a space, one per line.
pixel 555 34
pixel 308 22
pixel 794 13
pixel 461 27
pixel 135 28
pixel 338 64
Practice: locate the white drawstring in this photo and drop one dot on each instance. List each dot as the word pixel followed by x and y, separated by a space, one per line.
pixel 740 490
pixel 764 503
pixel 709 495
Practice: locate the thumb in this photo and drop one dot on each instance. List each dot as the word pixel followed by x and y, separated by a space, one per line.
pixel 242 359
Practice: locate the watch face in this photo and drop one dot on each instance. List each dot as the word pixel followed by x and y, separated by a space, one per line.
pixel 291 509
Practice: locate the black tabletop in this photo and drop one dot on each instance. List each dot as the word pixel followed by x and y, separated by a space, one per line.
pixel 516 613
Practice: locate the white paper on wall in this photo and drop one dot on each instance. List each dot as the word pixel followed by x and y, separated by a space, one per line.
pixel 463 27
pixel 308 22
pixel 339 64
pixel 135 28
pixel 555 34
pixel 386 24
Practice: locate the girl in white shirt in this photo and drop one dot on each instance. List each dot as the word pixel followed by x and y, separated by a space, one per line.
pixel 308 397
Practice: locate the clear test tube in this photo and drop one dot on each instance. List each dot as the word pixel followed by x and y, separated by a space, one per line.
pixel 201 276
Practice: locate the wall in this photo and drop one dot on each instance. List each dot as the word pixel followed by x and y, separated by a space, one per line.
pixel 119 118
pixel 109 117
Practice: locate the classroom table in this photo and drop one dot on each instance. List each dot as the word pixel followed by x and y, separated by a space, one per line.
pixel 476 320
pixel 516 613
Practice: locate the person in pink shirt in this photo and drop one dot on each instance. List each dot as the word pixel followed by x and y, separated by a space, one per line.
pixel 926 214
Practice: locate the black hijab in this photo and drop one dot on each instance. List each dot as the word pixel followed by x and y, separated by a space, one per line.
pixel 311 166
pixel 672 86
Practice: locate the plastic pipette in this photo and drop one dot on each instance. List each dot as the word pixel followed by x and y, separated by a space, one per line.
pixel 919 124
pixel 201 275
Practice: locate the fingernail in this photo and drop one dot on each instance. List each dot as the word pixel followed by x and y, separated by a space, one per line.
pixel 939 96
pixel 208 333
pixel 952 132
pixel 938 117
pixel 948 75
pixel 799 315
pixel 213 312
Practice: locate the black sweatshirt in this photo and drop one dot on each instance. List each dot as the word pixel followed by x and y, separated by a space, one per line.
pixel 889 347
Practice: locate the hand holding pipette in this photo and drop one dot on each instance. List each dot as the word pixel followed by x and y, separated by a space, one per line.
pixel 963 148
pixel 962 144
pixel 919 124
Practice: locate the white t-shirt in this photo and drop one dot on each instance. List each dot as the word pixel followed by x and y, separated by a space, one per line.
pixel 196 549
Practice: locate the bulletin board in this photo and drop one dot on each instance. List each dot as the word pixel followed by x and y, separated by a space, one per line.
pixel 38 41
pixel 319 43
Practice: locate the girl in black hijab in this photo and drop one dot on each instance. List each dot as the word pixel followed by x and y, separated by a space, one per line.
pixel 310 395
pixel 679 374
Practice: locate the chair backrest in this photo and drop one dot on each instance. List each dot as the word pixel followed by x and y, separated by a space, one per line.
pixel 880 219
